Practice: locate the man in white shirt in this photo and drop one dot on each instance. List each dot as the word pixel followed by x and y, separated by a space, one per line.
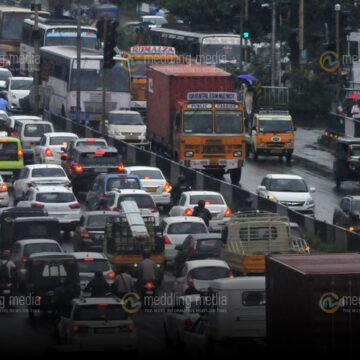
pixel 355 111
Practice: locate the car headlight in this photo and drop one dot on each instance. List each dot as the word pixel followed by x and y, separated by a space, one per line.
pixel 189 153
pixel 238 153
pixel 309 202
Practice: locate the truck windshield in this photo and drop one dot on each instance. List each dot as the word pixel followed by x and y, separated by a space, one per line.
pixel 125 119
pixel 275 126
pixel 228 122
pixel 198 122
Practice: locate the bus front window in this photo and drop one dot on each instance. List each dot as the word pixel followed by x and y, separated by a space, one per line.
pixel 197 122
pixel 222 53
pixel 68 37
pixel 12 26
pixel 228 122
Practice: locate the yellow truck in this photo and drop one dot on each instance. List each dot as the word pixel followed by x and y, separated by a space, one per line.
pixel 251 236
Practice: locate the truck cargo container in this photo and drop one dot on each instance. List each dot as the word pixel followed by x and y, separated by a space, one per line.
pixel 194 117
pixel 313 303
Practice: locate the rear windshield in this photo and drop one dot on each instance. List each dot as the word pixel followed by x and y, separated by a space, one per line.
pixel 36 130
pixel 142 201
pixel 4 126
pixel 60 140
pixel 48 172
pixel 209 199
pixel 208 245
pixel 99 313
pixel 34 230
pixel 91 265
pixel 99 158
pixel 187 228
pixel 124 183
pixel 8 151
pixel 39 248
pixel 210 273
pixel 148 174
pixel 97 220
pixel 55 197
pixel 254 298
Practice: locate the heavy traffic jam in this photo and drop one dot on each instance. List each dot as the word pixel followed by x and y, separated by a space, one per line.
pixel 151 197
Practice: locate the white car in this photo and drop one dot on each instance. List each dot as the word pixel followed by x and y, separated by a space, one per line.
pixel 175 229
pixel 99 324
pixel 18 119
pixel 143 200
pixel 59 201
pixel 288 190
pixel 196 275
pixel 49 151
pixel 214 202
pixel 4 194
pixel 185 309
pixel 5 74
pixel 36 175
pixel 18 88
pixel 89 263
pixel 153 181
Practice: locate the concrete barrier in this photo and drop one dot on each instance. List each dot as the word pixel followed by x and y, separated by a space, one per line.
pixel 235 195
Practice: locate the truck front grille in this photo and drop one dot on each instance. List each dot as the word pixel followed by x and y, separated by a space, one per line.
pixel 275 144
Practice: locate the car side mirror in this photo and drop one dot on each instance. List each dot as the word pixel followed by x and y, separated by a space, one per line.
pixel 312 189
pixel 261 188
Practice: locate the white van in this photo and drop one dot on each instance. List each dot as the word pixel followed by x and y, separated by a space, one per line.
pixel 238 311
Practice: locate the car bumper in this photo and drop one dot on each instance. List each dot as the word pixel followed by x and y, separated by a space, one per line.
pixel 51 160
pixel 303 210
pixel 67 222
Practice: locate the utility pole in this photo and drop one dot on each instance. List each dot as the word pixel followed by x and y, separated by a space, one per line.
pixel 241 34
pixel 36 36
pixel 338 50
pixel 273 42
pixel 246 16
pixel 301 33
pixel 103 118
pixel 78 65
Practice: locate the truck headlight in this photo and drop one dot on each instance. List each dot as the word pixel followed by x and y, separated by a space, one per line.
pixel 289 145
pixel 189 153
pixel 238 153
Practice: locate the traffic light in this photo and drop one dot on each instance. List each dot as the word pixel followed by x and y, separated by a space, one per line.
pixel 110 42
pixel 246 34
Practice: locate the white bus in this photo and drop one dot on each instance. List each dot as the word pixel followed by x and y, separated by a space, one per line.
pixel 58 68
pixel 53 32
pixel 212 49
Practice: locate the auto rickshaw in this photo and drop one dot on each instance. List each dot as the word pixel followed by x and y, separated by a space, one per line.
pixel 347 160
pixel 45 273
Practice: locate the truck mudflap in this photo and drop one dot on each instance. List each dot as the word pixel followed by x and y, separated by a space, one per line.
pixel 253 264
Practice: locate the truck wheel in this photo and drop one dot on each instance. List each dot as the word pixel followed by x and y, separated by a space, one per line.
pixel 235 176
pixel 288 159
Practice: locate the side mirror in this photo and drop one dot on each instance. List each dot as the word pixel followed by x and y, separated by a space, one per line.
pixel 261 188
pixel 312 189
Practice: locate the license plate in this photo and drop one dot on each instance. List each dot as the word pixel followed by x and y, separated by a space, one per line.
pixel 104 331
pixel 130 137
pixel 6 292
pixel 100 170
pixel 152 189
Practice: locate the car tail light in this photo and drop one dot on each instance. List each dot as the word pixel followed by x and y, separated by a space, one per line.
pixel 190 281
pixel 188 212
pixel 167 240
pixel 3 188
pixel 103 305
pixel 111 275
pixel 12 133
pixel 154 209
pixel 78 168
pixel 37 205
pixel 149 285
pixel 48 152
pixel 20 152
pixel 74 206
pixel 85 234
pixel 188 323
pixel 80 329
pixel 24 259
pixel 99 153
pixel 115 209
pixel 167 187
pixel 121 168
pixel 39 298
pixel 89 259
pixel 207 202
pixel 64 155
pixel 228 212
pixel 231 275
pixel 90 140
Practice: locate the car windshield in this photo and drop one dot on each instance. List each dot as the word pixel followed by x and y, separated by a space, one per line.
pixel 127 183
pixel 148 174
pixel 36 130
pixel 8 151
pixel 210 273
pixel 97 220
pixel 275 126
pixel 101 157
pixel 54 197
pixel 48 172
pixel 209 199
pixel 209 245
pixel 288 185
pixel 197 122
pixel 228 122
pixel 41 247
pixel 100 312
pixel 89 265
pixel 187 228
pixel 142 201
pixel 61 140
pixel 125 119
pixel 21 84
